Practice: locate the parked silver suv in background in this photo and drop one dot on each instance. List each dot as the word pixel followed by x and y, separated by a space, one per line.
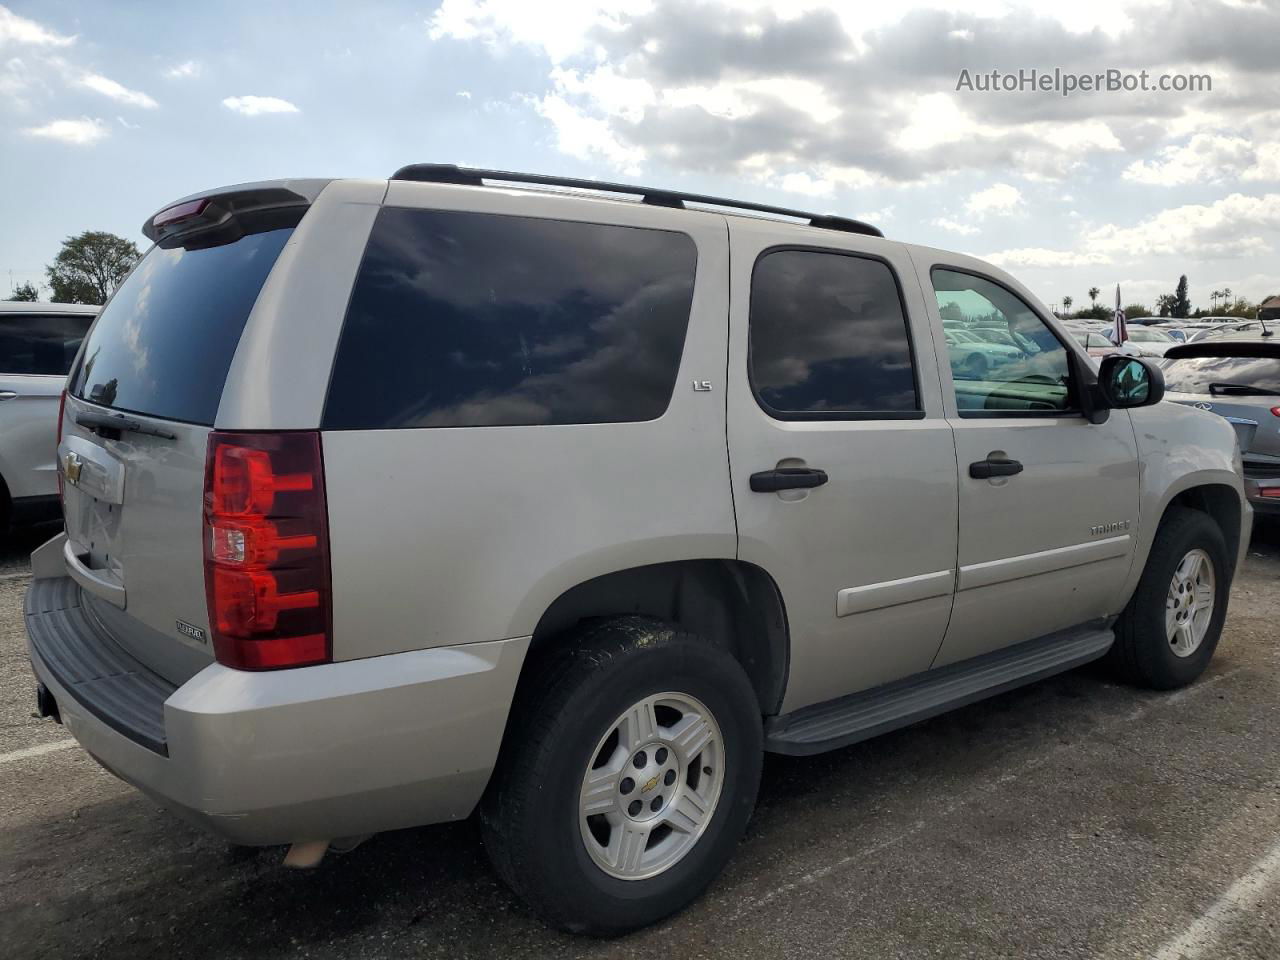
pixel 391 500
pixel 38 342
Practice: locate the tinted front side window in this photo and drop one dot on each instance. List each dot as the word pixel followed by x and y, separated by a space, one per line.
pixel 40 344
pixel 164 344
pixel 829 337
pixel 1016 365
pixel 467 320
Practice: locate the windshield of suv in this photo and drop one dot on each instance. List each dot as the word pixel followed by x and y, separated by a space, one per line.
pixel 1196 376
pixel 164 343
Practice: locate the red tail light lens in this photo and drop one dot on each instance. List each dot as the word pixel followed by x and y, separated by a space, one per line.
pixel 266 550
pixel 1275 411
pixel 1269 492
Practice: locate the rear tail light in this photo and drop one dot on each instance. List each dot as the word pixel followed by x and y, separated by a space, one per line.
pixel 266 550
pixel 1269 492
pixel 1275 411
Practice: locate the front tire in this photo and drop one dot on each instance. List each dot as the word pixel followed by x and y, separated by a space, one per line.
pixel 630 772
pixel 1168 633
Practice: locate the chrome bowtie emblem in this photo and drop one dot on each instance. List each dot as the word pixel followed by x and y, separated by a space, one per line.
pixel 72 464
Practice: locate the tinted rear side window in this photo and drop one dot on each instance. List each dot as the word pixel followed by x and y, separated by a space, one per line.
pixel 40 344
pixel 829 338
pixel 468 320
pixel 164 343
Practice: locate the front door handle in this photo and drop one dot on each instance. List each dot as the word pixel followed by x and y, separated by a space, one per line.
pixel 787 478
pixel 994 467
pixel 7 394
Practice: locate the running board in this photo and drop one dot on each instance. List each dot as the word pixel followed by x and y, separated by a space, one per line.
pixel 869 713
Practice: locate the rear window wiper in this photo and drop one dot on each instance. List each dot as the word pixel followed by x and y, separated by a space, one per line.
pixel 1240 390
pixel 100 422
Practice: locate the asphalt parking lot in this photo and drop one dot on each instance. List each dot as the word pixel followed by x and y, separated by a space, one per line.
pixel 1073 818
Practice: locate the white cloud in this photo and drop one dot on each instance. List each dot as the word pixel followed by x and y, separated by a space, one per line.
pixel 181 71
pixel 1040 257
pixel 80 132
pixel 252 106
pixel 1226 229
pixel 109 88
pixel 464 94
pixel 1205 158
pixel 999 199
pixel 964 229
pixel 126 124
pixel 20 30
pixel 585 137
pixel 560 34
pixel 1266 165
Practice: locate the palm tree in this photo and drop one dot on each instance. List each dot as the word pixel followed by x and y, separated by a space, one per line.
pixel 1213 299
pixel 1226 296
pixel 1093 295
pixel 1066 304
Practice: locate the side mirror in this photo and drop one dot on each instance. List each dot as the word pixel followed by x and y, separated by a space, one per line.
pixel 1127 382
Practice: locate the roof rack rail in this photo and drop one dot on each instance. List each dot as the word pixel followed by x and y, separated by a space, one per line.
pixel 472 177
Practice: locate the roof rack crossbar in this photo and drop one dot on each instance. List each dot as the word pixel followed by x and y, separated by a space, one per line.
pixel 473 177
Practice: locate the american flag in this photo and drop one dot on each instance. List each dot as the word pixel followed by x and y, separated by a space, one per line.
pixel 1121 332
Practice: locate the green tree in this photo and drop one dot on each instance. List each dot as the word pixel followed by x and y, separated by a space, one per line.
pixel 25 293
pixel 1181 306
pixel 1066 304
pixel 1093 295
pixel 89 267
pixel 1164 304
pixel 1134 310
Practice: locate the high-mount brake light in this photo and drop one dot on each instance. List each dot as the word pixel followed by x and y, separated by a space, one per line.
pixel 179 212
pixel 266 550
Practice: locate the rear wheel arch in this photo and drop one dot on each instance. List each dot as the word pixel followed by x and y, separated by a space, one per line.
pixel 733 605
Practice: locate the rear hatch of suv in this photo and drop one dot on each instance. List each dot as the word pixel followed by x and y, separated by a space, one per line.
pixel 141 403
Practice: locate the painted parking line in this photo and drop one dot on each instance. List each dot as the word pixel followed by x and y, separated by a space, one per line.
pixel 39 751
pixel 1201 938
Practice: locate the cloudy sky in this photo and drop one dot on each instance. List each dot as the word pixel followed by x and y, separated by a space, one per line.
pixel 108 111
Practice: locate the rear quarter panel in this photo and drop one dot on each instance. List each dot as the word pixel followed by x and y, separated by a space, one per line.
pixel 466 534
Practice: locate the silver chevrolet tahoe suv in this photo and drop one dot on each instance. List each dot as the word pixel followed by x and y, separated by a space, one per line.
pixel 390 501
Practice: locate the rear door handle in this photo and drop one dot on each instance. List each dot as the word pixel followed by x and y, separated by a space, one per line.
pixel 994 467
pixel 787 478
pixel 7 394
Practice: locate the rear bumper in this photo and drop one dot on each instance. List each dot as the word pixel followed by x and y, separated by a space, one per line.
pixel 1263 506
pixel 316 753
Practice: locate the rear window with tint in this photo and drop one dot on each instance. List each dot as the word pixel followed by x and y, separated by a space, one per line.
pixel 40 344
pixel 164 343
pixel 1197 375
pixel 471 320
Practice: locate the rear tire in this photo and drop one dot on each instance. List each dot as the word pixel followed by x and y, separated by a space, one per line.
pixel 1166 637
pixel 583 749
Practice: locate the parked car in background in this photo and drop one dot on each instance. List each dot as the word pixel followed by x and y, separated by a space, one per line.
pixel 436 496
pixel 1228 329
pixel 976 354
pixel 1097 344
pixel 1238 379
pixel 1149 341
pixel 38 342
